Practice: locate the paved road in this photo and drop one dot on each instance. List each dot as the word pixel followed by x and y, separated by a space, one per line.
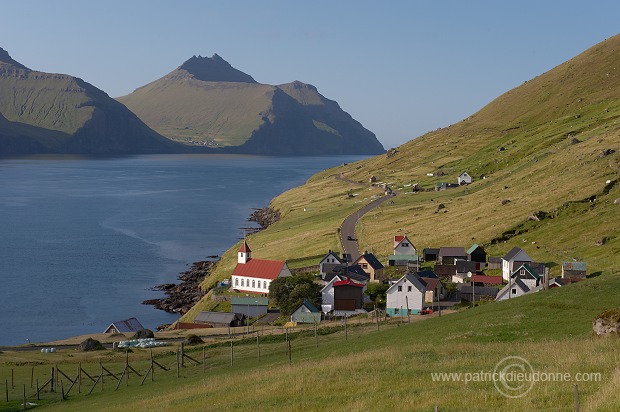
pixel 347 230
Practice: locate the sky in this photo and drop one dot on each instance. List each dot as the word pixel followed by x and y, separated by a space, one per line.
pixel 401 68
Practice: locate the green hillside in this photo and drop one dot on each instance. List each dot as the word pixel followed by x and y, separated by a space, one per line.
pixel 207 102
pixel 549 145
pixel 389 369
pixel 57 113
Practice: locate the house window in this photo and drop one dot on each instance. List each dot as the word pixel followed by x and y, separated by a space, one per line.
pixel 396 310
pixel 514 291
pixel 408 288
pixel 400 288
pixel 236 281
pixel 253 283
pixel 264 284
pixel 364 265
pixel 522 272
pixel 405 244
pixel 242 282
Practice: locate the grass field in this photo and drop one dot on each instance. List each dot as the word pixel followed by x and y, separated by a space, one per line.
pixel 390 369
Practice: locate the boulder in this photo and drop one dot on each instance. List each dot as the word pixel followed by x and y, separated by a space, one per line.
pixel 607 323
pixel 143 333
pixel 90 344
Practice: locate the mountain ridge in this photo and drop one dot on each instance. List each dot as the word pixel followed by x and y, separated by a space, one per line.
pixel 207 102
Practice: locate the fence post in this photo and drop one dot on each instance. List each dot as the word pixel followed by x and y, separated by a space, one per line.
pixel 6 386
pixel 25 403
pixel 231 353
pixel 316 338
pixel 257 345
pixel 203 359
pixel 576 396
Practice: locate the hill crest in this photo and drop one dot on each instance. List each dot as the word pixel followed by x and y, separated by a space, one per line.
pixel 214 69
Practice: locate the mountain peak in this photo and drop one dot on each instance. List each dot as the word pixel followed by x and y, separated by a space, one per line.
pixel 7 59
pixel 214 69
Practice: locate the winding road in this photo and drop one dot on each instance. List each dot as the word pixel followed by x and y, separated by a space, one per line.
pixel 348 238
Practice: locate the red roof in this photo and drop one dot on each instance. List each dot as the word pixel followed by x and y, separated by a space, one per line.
pixel 492 280
pixel 398 238
pixel 259 268
pixel 348 281
pixel 245 248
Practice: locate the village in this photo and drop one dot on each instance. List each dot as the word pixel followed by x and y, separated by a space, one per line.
pixel 410 281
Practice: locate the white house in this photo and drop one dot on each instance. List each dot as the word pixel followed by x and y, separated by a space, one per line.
pixel 515 288
pixel 464 179
pixel 516 255
pixel 329 262
pixel 255 275
pixel 527 275
pixel 403 246
pixel 408 292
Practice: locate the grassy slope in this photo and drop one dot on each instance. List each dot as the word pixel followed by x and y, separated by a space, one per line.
pixel 391 369
pixel 50 101
pixel 540 169
pixel 225 112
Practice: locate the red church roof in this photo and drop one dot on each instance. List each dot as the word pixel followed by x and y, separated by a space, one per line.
pixel 259 268
pixel 348 281
pixel 245 248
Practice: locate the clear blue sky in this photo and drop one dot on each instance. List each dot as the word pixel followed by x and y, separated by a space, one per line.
pixel 401 68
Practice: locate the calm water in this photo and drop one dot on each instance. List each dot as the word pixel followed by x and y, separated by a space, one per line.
pixel 83 240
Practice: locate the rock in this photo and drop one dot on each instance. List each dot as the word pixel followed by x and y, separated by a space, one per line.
pixel 265 217
pixel 601 241
pixel 617 201
pixel 537 216
pixel 607 152
pixel 501 149
pixel 607 323
pixel 441 206
pixel 505 202
pixel 90 344
pixel 574 140
pixel 193 340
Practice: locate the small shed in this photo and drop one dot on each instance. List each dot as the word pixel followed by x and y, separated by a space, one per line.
pixel 476 253
pixel 573 270
pixel 220 319
pixel 130 325
pixel 430 254
pixel 464 179
pixel 306 313
pixel 251 307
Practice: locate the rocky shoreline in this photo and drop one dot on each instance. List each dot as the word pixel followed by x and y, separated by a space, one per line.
pixel 265 217
pixel 182 296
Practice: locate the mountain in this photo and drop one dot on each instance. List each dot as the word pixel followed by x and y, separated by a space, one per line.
pixel 57 113
pixel 206 101
pixel 545 158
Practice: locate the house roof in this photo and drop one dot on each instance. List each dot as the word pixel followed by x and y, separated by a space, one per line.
pixel 310 306
pixel 468 289
pixel 515 283
pixel 413 258
pixel 492 280
pixel 426 274
pixel 333 254
pixel 354 272
pixel 473 248
pixel 348 282
pixel 431 250
pixel 452 251
pixel 581 266
pixel 371 259
pixel 513 253
pixel 398 239
pixel 412 279
pixel 244 247
pixel 259 268
pixel 215 317
pixel 431 283
pixel 464 174
pixel 534 274
pixel 444 270
pixel 243 300
pixel 127 325
pixel 464 266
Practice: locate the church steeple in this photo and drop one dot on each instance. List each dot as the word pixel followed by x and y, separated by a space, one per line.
pixel 244 253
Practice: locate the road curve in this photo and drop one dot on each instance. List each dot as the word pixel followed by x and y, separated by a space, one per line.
pixel 347 229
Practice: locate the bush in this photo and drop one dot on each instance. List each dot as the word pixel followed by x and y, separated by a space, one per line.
pixel 143 333
pixel 90 344
pixel 193 340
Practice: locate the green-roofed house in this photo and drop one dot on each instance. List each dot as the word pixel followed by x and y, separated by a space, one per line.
pixel 249 306
pixel 306 313
pixel 476 254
